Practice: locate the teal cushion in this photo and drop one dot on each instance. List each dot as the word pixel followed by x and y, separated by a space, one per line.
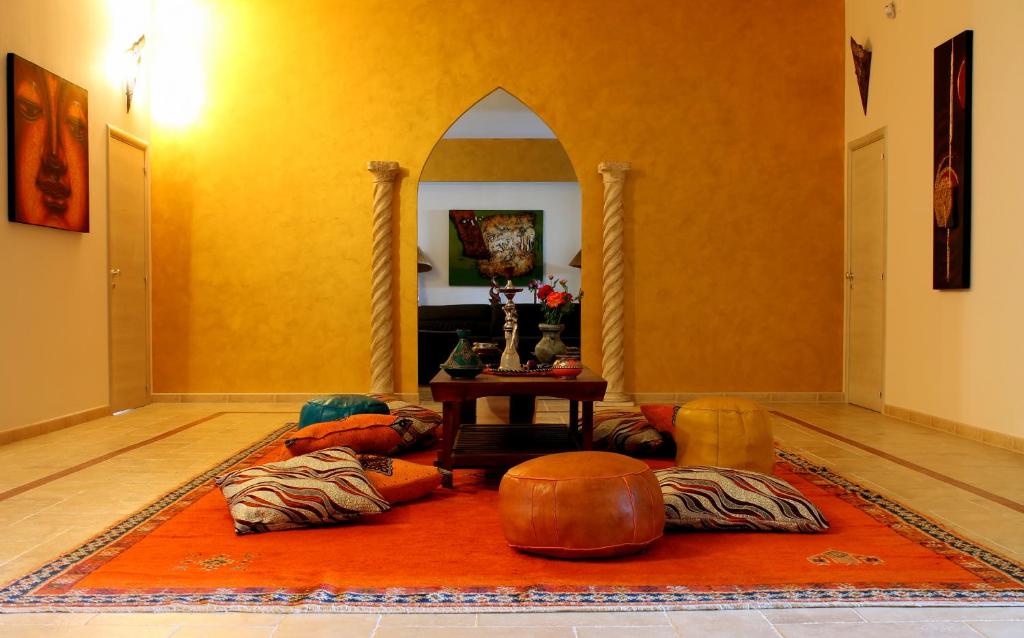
pixel 339 406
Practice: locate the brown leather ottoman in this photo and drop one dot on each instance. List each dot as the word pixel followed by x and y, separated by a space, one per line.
pixel 581 505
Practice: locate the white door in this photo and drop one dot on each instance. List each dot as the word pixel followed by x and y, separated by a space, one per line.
pixel 128 272
pixel 866 276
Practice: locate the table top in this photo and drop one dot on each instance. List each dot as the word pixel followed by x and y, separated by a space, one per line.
pixel 588 386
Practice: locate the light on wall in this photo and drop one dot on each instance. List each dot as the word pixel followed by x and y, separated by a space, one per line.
pixel 422 263
pixel 132 64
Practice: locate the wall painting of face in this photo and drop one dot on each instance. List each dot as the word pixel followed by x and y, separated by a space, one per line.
pixel 48 148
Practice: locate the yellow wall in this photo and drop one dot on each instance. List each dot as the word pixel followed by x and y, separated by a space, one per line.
pixel 53 283
pixel 956 354
pixel 498 160
pixel 730 114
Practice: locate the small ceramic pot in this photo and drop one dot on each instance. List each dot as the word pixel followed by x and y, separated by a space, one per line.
pixel 566 367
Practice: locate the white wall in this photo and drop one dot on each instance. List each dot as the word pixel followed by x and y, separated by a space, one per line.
pixel 53 283
pixel 560 202
pixel 957 355
pixel 499 115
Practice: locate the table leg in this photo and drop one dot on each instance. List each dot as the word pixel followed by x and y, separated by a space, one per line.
pixel 588 425
pixel 468 411
pixel 574 416
pixel 521 408
pixel 450 422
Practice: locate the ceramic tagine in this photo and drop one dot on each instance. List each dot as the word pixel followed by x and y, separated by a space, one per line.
pixel 567 367
pixel 463 363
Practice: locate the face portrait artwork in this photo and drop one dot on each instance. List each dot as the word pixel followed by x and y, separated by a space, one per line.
pixel 48 145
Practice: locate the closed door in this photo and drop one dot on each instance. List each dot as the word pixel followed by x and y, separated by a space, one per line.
pixel 866 276
pixel 128 273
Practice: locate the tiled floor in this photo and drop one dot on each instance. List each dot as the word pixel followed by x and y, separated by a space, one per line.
pixel 959 482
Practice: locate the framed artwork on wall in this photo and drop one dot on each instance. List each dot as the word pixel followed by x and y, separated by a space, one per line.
pixel 495 243
pixel 47 148
pixel 951 190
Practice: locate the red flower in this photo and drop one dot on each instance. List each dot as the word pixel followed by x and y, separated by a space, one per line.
pixel 554 299
pixel 544 291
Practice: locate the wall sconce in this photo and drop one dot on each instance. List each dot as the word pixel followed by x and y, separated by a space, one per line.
pixel 132 63
pixel 577 261
pixel 422 263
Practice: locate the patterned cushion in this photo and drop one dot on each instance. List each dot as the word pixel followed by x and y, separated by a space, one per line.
pixel 364 433
pixel 628 433
pixel 339 406
pixel 398 480
pixel 321 488
pixel 408 410
pixel 704 497
pixel 661 416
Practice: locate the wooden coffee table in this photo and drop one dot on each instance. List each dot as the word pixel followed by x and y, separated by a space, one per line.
pixel 478 445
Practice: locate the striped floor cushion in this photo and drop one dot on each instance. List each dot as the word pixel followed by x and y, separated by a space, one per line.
pixel 701 497
pixel 629 433
pixel 425 420
pixel 321 488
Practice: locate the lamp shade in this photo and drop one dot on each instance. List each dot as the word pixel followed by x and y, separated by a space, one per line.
pixel 577 261
pixel 422 263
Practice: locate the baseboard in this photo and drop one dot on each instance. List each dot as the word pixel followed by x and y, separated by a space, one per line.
pixel 52 425
pixel 255 397
pixel 963 430
pixel 760 397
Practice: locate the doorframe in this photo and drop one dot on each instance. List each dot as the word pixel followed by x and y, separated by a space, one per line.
pixel 115 133
pixel 883 135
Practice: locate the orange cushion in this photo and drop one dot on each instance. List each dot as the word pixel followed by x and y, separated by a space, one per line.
pixel 398 480
pixel 661 416
pixel 364 433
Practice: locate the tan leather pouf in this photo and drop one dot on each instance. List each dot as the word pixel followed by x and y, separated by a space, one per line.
pixel 724 432
pixel 581 505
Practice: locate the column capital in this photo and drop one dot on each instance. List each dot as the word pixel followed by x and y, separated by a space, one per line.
pixel 383 170
pixel 613 171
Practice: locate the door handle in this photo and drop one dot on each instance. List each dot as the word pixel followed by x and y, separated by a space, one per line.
pixel 849 276
pixel 115 271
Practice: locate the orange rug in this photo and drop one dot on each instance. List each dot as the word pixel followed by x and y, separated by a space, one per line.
pixel 447 552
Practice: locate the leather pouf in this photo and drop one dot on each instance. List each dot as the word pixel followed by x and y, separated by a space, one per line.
pixel 581 505
pixel 724 432
pixel 339 406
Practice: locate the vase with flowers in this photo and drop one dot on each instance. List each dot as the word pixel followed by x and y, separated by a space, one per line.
pixel 556 302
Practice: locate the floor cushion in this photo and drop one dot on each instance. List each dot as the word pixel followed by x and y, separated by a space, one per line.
pixel 364 433
pixel 661 416
pixel 398 407
pixel 581 505
pixel 724 432
pixel 322 488
pixel 339 406
pixel 629 433
pixel 722 498
pixel 399 480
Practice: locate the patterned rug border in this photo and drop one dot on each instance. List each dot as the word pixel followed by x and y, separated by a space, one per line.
pixel 16 597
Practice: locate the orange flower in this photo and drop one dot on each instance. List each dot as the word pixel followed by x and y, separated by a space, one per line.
pixel 555 299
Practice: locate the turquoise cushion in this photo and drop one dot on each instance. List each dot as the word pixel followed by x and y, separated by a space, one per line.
pixel 339 406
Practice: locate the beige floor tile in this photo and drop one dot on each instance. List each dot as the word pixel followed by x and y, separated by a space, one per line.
pixel 573 619
pixel 475 632
pixel 43 619
pixel 999 628
pixel 428 620
pixel 722 624
pixel 658 631
pixel 895 614
pixel 880 630
pixel 224 632
pixel 327 626
pixel 811 615
pixel 213 619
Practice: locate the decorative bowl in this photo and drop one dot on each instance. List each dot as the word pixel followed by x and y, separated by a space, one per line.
pixel 566 367
pixel 462 373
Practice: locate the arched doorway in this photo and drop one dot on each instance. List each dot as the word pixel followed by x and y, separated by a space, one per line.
pixel 497 159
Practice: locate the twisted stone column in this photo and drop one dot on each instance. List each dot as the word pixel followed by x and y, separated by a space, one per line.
pixel 613 282
pixel 382 380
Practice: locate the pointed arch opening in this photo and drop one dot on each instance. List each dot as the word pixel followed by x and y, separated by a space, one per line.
pixel 498 159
